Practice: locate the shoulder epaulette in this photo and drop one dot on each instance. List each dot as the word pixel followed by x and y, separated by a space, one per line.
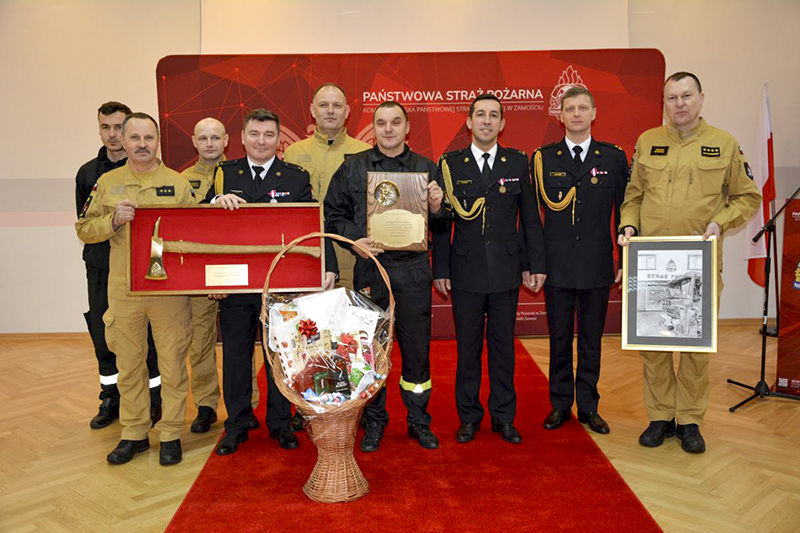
pixel 227 162
pixel 453 153
pixel 295 167
pixel 518 152
pixel 544 146
pixel 610 145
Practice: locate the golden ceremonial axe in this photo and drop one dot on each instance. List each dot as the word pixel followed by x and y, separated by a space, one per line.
pixel 159 246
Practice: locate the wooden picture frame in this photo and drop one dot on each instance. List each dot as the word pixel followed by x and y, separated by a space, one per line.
pixel 670 294
pixel 397 210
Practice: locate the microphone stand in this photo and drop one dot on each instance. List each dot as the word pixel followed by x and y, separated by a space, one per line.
pixel 761 389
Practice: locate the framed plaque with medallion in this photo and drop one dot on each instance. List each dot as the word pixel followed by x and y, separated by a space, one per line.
pixel 204 249
pixel 397 210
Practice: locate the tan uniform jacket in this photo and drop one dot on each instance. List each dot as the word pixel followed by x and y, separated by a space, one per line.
pixel 321 160
pixel 162 186
pixel 681 182
pixel 201 177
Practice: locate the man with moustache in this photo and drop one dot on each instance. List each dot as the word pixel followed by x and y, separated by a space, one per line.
pixel 323 152
pixel 110 156
pixel 580 186
pixel 489 188
pixel 113 202
pixel 409 272
pixel 260 177
pixel 686 178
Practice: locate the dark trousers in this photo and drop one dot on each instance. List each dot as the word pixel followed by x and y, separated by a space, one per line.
pixel 97 285
pixel 591 306
pixel 411 280
pixel 239 321
pixel 497 313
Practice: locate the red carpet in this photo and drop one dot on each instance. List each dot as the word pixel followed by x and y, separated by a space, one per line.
pixel 553 481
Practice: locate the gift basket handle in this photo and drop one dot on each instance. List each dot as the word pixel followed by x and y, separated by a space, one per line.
pixel 335 237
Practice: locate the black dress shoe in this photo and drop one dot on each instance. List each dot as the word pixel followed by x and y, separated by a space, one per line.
pixel 108 412
pixel 230 443
pixel 595 421
pixel 656 432
pixel 126 449
pixel 205 417
pixel 285 438
pixel 466 432
pixel 253 423
pixel 155 414
pixel 556 418
pixel 424 435
pixel 371 440
pixel 170 453
pixel 508 432
pixel 297 422
pixel 691 439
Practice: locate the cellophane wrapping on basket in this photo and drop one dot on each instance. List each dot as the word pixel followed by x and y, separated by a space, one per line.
pixel 327 343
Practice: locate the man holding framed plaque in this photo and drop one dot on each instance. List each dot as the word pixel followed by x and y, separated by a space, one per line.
pixel 686 178
pixel 489 188
pixel 399 187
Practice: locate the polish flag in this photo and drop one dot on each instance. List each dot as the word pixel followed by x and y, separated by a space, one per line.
pixel 764 176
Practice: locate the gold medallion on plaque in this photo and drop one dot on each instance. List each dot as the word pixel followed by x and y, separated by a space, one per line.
pixel 387 193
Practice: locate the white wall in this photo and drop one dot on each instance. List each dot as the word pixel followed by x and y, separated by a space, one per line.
pixel 62 59
pixel 734 46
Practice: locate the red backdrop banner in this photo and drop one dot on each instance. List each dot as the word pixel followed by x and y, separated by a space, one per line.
pixel 788 371
pixel 436 89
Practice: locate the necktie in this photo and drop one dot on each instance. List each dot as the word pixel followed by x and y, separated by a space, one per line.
pixel 259 182
pixel 577 150
pixel 487 171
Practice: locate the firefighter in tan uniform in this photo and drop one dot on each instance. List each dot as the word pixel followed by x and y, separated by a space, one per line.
pixel 210 141
pixel 113 201
pixel 687 178
pixel 323 153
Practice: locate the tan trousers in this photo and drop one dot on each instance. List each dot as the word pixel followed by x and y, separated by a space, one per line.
pixel 683 396
pixel 347 262
pixel 126 335
pixel 203 352
pixel 203 355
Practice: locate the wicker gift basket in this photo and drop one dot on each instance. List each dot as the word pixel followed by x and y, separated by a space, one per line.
pixel 332 426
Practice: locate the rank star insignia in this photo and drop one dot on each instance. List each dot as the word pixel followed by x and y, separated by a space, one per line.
pixel 597 152
pixel 466 160
pixel 503 159
pixel 559 152
pixel 278 173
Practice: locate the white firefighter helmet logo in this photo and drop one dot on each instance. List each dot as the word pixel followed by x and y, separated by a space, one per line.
pixel 569 78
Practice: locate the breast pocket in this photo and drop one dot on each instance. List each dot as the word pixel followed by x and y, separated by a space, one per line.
pixel 711 174
pixel 557 187
pixel 654 173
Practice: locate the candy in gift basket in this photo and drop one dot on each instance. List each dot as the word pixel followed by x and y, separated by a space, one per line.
pixel 326 343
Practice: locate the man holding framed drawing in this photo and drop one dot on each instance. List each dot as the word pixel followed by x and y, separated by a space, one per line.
pixel 687 178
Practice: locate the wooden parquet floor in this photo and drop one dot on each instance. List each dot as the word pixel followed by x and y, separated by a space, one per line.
pixel 54 478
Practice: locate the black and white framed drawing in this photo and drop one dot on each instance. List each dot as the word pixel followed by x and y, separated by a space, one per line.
pixel 669 294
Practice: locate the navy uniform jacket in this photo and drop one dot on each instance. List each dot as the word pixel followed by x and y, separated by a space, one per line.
pixel 489 255
pixel 284 182
pixel 580 255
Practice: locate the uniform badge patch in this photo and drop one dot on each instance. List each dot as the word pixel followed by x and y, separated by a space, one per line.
pixel 558 174
pixel 166 190
pixel 659 150
pixel 710 151
pixel 87 204
pixel 746 169
pixel 195 184
pixel 463 182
